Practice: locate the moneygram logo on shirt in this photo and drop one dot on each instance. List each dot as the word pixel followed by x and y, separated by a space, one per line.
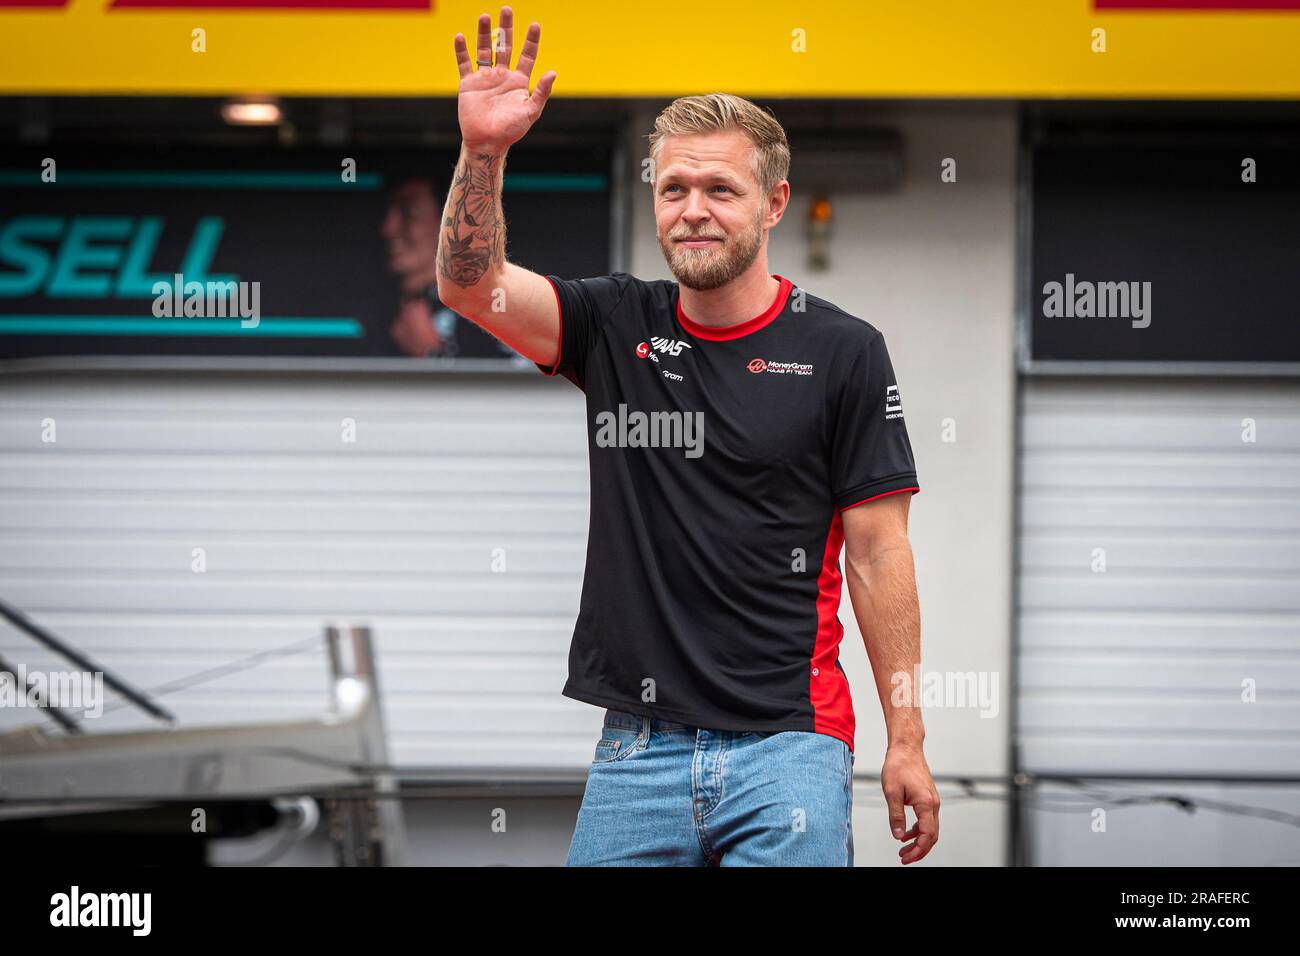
pixel 758 365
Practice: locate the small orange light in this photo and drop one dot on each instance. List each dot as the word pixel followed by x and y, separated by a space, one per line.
pixel 251 113
pixel 820 211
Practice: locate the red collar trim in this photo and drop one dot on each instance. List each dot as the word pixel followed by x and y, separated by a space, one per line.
pixel 740 329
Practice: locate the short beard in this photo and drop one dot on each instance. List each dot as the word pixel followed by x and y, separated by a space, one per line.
pixel 706 269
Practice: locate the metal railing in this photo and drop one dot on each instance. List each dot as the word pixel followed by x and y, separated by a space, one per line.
pixel 66 650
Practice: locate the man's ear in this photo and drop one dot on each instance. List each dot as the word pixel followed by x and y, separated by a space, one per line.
pixel 778 201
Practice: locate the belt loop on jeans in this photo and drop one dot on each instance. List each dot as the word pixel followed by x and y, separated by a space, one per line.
pixel 644 740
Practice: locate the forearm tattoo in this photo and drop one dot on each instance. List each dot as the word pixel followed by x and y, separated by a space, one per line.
pixel 473 227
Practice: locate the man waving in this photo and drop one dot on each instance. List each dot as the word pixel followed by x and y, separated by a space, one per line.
pixel 742 434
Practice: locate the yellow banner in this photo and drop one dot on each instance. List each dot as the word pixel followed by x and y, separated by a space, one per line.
pixel 761 48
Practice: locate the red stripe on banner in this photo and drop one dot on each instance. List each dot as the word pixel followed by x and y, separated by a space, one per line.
pixel 355 5
pixel 828 687
pixel 1220 5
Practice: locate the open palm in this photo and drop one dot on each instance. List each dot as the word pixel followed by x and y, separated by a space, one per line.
pixel 494 105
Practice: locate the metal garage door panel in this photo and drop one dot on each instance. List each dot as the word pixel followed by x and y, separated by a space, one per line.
pixel 1139 669
pixel 403 530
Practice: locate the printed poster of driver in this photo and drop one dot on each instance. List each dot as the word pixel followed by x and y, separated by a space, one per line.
pixel 423 327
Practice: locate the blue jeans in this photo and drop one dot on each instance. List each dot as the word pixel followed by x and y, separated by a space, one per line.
pixel 664 794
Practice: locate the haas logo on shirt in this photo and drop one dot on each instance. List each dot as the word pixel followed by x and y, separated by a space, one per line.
pixel 670 346
pixel 667 346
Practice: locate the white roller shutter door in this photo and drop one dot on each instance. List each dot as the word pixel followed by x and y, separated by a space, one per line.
pixel 1141 668
pixel 454 526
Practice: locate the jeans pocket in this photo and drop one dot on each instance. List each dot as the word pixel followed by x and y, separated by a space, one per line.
pixel 615 743
pixel 607 749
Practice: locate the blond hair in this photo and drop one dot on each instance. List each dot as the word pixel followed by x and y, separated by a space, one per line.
pixel 712 112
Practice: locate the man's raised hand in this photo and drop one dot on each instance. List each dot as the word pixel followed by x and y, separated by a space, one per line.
pixel 494 105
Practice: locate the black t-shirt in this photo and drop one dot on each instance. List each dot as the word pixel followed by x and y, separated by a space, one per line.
pixel 720 462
